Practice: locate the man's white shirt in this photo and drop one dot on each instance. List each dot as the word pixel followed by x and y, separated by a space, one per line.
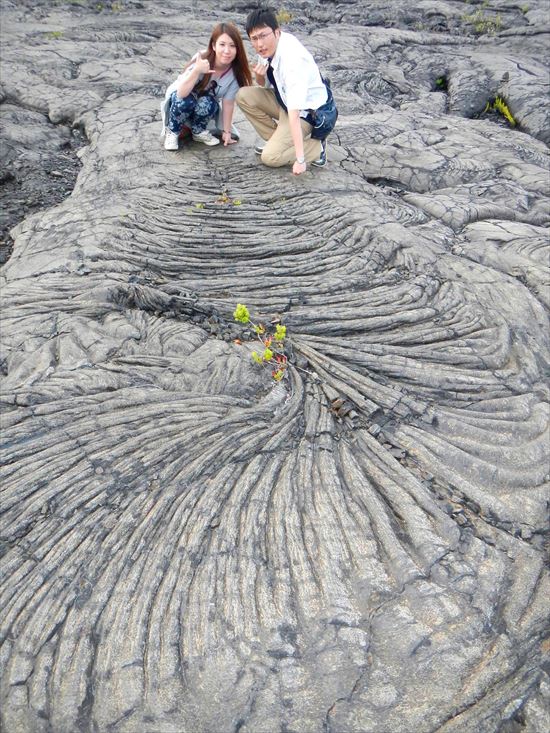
pixel 297 75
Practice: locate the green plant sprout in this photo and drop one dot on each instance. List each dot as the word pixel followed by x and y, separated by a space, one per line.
pixel 284 16
pixel 484 24
pixel 273 344
pixel 499 105
pixel 225 199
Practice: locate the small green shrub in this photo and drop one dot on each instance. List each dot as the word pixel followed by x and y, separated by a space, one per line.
pixel 273 344
pixel 284 16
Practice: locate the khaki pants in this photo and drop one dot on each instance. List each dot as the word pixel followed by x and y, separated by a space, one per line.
pixel 262 109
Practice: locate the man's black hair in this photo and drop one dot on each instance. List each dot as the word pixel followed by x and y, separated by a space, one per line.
pixel 260 18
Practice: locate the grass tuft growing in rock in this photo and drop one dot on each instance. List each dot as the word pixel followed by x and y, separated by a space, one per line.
pixel 483 24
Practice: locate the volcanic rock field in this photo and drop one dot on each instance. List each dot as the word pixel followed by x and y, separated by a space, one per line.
pixel 188 545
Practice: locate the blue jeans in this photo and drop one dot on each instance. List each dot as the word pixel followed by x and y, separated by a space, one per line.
pixel 193 111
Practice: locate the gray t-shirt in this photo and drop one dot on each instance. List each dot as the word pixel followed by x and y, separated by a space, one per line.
pixel 227 85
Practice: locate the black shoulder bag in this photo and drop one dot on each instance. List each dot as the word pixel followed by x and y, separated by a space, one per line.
pixel 324 118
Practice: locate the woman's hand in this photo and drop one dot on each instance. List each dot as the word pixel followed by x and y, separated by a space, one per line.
pixel 202 66
pixel 191 74
pixel 298 168
pixel 228 107
pixel 227 139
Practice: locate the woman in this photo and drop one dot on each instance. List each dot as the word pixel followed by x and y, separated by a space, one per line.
pixel 211 76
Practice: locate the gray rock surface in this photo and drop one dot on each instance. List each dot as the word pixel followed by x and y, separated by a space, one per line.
pixel 190 548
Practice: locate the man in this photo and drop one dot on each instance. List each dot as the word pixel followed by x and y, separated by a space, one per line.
pixel 289 86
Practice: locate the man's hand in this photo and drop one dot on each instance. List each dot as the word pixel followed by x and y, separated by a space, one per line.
pixel 260 71
pixel 298 168
pixel 298 140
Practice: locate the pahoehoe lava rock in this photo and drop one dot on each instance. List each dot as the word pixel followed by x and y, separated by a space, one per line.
pixel 188 548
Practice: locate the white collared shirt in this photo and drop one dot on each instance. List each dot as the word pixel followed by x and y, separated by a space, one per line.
pixel 297 75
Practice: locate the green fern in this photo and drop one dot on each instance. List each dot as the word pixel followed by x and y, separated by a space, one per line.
pixel 499 105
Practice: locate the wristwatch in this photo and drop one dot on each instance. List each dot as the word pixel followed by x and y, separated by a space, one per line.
pixel 301 160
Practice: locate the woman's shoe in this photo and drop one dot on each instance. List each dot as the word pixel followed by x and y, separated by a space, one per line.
pixel 205 137
pixel 171 140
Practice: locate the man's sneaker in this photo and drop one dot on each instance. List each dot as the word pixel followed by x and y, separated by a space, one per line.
pixel 206 138
pixel 259 149
pixel 171 140
pixel 322 159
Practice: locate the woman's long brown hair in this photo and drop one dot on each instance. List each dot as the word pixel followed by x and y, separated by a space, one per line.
pixel 240 65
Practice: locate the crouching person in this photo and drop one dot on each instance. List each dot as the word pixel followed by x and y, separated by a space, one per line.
pixel 285 107
pixel 210 79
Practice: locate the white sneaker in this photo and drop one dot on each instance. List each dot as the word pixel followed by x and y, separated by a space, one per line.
pixel 206 138
pixel 171 140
